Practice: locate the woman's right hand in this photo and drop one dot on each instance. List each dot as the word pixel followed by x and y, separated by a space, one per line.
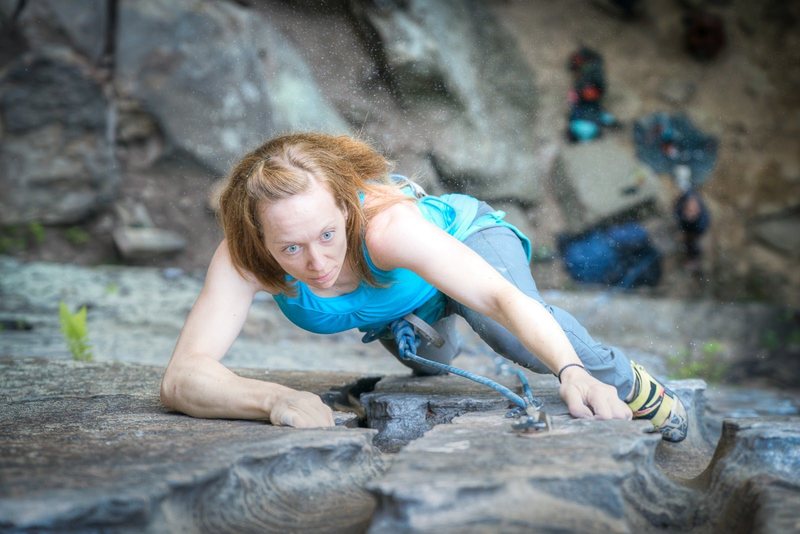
pixel 300 409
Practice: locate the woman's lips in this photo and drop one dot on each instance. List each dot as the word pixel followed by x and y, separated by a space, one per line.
pixel 324 278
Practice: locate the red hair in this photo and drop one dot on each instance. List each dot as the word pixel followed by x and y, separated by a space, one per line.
pixel 286 166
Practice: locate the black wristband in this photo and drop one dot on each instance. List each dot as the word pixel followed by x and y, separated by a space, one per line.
pixel 569 365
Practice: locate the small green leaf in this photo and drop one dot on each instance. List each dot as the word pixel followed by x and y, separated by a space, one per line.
pixel 75 330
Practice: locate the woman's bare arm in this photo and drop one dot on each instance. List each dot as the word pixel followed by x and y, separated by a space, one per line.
pixel 197 384
pixel 401 237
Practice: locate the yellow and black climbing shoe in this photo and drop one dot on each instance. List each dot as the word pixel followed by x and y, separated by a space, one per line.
pixel 656 402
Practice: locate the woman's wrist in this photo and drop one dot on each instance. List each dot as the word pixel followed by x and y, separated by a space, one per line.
pixel 568 369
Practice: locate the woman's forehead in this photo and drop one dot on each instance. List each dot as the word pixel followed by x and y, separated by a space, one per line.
pixel 305 212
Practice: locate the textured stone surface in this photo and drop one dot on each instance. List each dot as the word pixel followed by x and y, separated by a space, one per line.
pixel 402 409
pixel 87 447
pixel 601 180
pixel 239 83
pixel 452 62
pixel 135 315
pixel 476 474
pixel 79 25
pixel 779 232
pixel 56 151
pixel 753 482
pixel 138 243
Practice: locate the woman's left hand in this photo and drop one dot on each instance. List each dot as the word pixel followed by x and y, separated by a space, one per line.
pixel 588 398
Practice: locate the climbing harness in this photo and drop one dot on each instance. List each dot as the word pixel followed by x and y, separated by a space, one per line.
pixel 528 410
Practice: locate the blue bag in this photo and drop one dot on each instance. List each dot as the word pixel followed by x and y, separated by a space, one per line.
pixel 620 255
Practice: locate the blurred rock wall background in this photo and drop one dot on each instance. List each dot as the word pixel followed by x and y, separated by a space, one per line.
pixel 118 116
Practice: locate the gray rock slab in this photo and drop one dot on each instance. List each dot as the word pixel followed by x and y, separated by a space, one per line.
pixel 88 447
pixel 82 26
pixel 602 180
pixel 671 327
pixel 780 233
pixel 478 475
pixel 453 63
pixel 239 83
pixel 136 313
pixel 57 163
pixel 753 482
pixel 142 243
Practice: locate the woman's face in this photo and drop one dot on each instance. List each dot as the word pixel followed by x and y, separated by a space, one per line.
pixel 305 234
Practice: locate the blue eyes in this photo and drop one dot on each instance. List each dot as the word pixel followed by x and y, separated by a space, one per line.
pixel 325 237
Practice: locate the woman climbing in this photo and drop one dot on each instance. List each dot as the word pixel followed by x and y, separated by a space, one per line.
pixel 318 222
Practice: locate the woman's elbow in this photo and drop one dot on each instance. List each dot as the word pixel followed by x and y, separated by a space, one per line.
pixel 170 389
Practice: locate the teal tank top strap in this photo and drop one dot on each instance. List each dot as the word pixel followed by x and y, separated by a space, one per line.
pixel 466 220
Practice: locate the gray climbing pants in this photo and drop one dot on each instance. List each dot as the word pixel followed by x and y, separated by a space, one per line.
pixel 502 249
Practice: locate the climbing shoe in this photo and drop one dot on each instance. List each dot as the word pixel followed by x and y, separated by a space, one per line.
pixel 656 402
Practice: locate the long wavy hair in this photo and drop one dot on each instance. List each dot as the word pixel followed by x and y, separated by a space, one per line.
pixel 287 165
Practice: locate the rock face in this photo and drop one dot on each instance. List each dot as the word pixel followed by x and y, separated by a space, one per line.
pixel 135 314
pixel 56 157
pixel 447 93
pixel 82 26
pixel 220 79
pixel 403 409
pixel 478 475
pixel 89 448
pixel 780 232
pixel 754 478
pixel 598 181
pixel 452 62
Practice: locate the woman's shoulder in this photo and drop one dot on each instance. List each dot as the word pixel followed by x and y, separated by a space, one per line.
pixel 388 215
pixel 392 232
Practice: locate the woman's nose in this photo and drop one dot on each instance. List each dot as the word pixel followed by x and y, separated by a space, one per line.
pixel 314 259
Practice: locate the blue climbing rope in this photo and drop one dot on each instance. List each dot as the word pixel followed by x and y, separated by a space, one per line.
pixel 407 341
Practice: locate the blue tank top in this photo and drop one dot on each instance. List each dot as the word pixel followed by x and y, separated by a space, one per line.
pixel 370 308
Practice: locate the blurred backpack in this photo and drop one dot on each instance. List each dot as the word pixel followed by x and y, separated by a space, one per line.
pixel 586 115
pixel 620 255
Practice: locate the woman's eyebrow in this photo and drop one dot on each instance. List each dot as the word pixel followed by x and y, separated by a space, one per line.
pixel 325 228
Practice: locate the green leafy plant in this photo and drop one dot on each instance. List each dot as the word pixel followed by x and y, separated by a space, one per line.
pixel 36 229
pixel 76 332
pixel 77 235
pixel 707 361
pixel 18 237
pixel 12 239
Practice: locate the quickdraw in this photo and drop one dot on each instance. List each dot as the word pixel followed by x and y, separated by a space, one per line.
pixel 528 410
